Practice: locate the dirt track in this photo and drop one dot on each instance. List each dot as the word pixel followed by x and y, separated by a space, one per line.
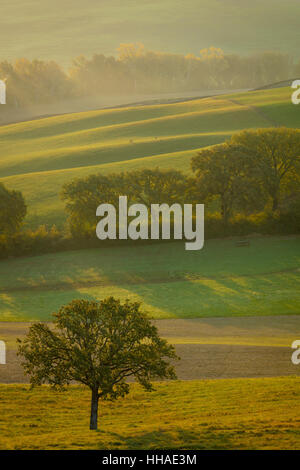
pixel 266 351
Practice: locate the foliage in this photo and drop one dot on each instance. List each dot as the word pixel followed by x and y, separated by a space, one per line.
pixel 137 70
pixel 34 82
pixel 222 171
pixel 83 196
pixel 12 210
pixel 98 344
pixel 274 156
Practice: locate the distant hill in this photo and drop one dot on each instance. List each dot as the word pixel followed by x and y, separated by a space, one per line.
pixel 282 84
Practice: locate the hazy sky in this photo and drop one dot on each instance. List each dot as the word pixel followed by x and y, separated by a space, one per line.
pixel 61 29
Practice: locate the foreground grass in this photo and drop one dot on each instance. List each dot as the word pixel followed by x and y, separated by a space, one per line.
pixel 220 280
pixel 211 414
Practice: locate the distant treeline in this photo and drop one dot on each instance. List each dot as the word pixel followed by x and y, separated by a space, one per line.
pixel 249 184
pixel 136 70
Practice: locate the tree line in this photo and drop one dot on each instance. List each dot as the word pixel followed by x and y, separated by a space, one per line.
pixel 249 184
pixel 255 173
pixel 137 70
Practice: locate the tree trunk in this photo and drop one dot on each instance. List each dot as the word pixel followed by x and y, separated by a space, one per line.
pixel 94 410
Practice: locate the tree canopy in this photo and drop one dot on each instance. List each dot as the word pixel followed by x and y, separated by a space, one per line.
pixel 99 344
pixel 83 196
pixel 274 156
pixel 12 210
pixel 222 171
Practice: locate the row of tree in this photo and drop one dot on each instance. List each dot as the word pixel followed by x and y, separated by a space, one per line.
pixel 255 170
pixel 34 82
pixel 251 183
pixel 136 70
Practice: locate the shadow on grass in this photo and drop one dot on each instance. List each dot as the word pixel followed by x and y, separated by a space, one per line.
pixel 178 438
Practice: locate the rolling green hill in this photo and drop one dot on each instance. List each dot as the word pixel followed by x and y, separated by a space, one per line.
pixel 63 29
pixel 219 280
pixel 38 157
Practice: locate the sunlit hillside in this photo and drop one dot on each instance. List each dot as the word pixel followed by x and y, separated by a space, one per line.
pixel 38 157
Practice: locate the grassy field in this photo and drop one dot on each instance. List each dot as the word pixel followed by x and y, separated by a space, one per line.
pixel 232 313
pixel 220 280
pixel 38 157
pixel 39 29
pixel 248 298
pixel 213 414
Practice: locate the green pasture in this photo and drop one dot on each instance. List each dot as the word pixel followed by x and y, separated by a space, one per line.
pixel 220 280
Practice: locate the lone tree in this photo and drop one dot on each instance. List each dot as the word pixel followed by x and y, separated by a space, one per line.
pixel 98 344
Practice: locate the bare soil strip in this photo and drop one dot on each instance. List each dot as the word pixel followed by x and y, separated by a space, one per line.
pixel 198 360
